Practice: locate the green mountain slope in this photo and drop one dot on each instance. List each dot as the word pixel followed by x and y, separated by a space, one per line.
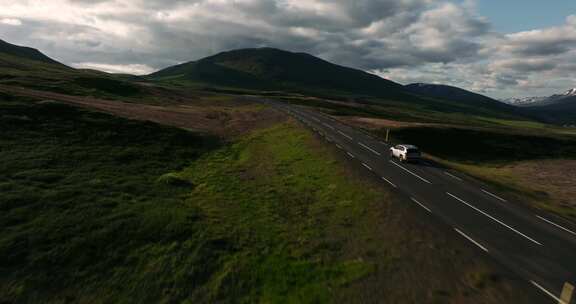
pixel 25 53
pixel 273 69
pixel 561 112
pixel 268 69
pixel 29 68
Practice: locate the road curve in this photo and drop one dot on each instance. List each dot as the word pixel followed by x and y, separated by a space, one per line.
pixel 538 247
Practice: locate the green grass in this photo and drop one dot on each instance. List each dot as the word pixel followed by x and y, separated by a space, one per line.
pixel 95 208
pixel 83 215
pixel 277 199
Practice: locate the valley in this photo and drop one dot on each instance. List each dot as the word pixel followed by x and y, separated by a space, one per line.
pixel 209 182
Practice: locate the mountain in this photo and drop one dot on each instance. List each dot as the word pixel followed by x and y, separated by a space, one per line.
pixel 274 69
pixel 522 101
pixel 459 95
pixel 26 67
pixel 540 101
pixel 557 108
pixel 26 53
pixel 560 110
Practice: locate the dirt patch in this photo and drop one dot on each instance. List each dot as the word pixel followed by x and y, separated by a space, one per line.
pixel 226 120
pixel 379 123
pixel 555 177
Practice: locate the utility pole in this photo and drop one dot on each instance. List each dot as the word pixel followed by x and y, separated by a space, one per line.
pixel 387 135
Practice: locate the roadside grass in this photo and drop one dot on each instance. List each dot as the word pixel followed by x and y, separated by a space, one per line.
pixel 277 201
pixel 420 112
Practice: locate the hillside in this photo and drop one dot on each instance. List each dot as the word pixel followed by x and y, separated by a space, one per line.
pixel 541 100
pixel 267 69
pixel 560 111
pixel 29 68
pixel 26 53
pixel 274 69
pixel 459 95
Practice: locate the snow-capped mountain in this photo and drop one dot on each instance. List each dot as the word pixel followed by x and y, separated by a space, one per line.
pixel 540 101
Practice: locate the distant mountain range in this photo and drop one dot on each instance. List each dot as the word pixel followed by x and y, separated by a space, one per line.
pixel 267 69
pixel 541 101
pixel 456 94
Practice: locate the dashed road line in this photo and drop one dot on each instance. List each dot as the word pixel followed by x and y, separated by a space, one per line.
pixel 339 146
pixel 493 218
pixel 370 149
pixel 554 224
pixel 494 196
pixel 345 135
pixel 453 176
pixel 367 167
pixel 391 183
pixel 329 126
pixel 350 154
pixel 418 176
pixel 421 205
pixel 471 240
pixel 557 299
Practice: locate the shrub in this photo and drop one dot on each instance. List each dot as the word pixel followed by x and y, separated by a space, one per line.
pixel 174 179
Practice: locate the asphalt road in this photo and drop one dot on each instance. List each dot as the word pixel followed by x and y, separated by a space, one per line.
pixel 537 246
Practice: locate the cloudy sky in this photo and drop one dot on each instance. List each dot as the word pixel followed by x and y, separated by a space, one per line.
pixel 520 48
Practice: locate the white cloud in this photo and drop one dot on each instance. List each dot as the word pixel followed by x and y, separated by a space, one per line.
pixel 11 21
pixel 134 69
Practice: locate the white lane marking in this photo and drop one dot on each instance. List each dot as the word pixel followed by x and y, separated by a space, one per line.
pixel 339 146
pixel 316 119
pixel 493 218
pixel 391 183
pixel 372 150
pixel 494 195
pixel 560 301
pixel 367 167
pixel 418 176
pixel 552 223
pixel 452 176
pixel 471 240
pixel 329 126
pixel 421 205
pixel 345 135
pixel 350 154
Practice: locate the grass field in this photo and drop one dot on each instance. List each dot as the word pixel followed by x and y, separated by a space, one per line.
pixel 98 209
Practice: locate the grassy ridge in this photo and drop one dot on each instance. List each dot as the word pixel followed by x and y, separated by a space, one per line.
pixel 39 75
